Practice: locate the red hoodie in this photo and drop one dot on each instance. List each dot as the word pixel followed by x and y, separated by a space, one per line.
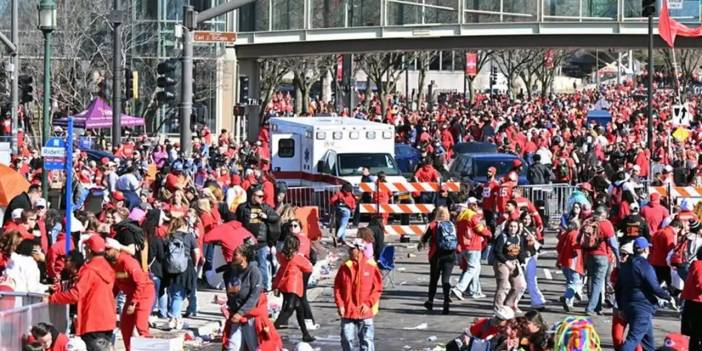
pixel 93 294
pixel 132 280
pixel 654 214
pixel 289 276
pixel 693 284
pixel 471 232
pixel 56 257
pixel 356 284
pixel 569 253
pixel 661 243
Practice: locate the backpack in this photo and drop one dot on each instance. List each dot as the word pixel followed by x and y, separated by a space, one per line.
pixel 446 238
pixel 590 237
pixel 576 334
pixel 177 258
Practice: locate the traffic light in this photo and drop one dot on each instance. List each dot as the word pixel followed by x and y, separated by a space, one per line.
pixel 26 88
pixel 648 8
pixel 166 81
pixel 244 90
pixel 131 83
pixel 493 75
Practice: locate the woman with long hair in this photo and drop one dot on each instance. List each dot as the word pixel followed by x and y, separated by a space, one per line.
pixel 441 260
pixel 294 227
pixel 509 252
pixel 570 261
pixel 179 203
pixel 157 259
pixel 289 282
pixel 180 281
pixel 531 261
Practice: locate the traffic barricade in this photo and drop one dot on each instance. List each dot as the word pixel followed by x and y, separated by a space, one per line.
pixel 313 196
pixel 675 193
pixel 550 199
pixel 404 209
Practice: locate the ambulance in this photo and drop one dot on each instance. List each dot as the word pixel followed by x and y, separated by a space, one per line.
pixel 319 151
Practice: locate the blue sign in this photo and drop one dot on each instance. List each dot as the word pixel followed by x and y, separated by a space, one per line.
pixel 85 143
pixel 54 153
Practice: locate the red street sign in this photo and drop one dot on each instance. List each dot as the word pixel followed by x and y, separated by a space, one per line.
pixel 216 37
pixel 471 64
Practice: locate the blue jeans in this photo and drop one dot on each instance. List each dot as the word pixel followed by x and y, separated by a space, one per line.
pixel 530 274
pixel 177 295
pixel 640 329
pixel 357 328
pixel 192 300
pixel 343 214
pixel 597 274
pixel 121 299
pixel 470 278
pixel 573 285
pixel 242 337
pixel 264 264
pixel 160 300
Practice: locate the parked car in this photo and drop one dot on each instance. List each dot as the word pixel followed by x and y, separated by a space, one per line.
pixel 472 168
pixel 407 157
pixel 474 148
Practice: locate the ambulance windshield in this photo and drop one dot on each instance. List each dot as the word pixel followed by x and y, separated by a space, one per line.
pixel 350 164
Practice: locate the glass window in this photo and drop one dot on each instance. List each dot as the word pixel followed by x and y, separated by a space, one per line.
pixel 485 11
pixel 351 164
pixel 421 11
pixel 287 14
pixel 254 17
pixel 575 10
pixel 363 13
pixel 286 148
pixel 329 13
pixel 447 61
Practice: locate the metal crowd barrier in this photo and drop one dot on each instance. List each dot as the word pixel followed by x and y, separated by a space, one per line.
pixel 551 198
pixel 308 196
pixel 20 311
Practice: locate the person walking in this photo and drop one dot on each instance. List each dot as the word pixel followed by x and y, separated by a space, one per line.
pixel 258 218
pixel 357 288
pixel 662 242
pixel 289 282
pixel 345 204
pixel 93 294
pixel 509 252
pixel 443 241
pixel 692 308
pixel 138 288
pixel 596 237
pixel 473 236
pixel 244 287
pixel 182 252
pixel 637 292
pixel 570 260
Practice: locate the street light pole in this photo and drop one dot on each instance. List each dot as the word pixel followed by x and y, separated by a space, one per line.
pixel 650 91
pixel 47 24
pixel 14 94
pixel 116 75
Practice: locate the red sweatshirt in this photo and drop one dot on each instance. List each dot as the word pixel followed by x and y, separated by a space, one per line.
pixel 358 283
pixel 662 242
pixel 132 280
pixel 693 284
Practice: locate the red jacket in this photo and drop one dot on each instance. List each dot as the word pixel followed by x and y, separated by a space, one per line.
pixel 491 190
pixel 661 243
pixel 268 193
pixel 56 257
pixel 427 173
pixel 504 194
pixel 654 214
pixel 471 232
pixel 347 198
pixel 483 328
pixel 289 276
pixel 525 205
pixel 356 284
pixel 569 253
pixel 93 294
pixel 266 334
pixel 132 280
pixel 693 284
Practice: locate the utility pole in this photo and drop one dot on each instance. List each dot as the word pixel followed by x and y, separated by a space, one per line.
pixel 650 88
pixel 47 24
pixel 117 19
pixel 15 78
pixel 191 19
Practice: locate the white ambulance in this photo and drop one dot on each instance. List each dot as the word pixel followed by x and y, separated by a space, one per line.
pixel 318 151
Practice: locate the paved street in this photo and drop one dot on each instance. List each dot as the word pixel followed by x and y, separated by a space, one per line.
pixel 403 323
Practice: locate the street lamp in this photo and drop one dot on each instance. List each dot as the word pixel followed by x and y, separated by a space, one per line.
pixel 47 24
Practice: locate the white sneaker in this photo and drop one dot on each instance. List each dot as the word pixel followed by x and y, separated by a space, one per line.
pixel 179 324
pixel 478 296
pixel 311 325
pixel 457 293
pixel 171 323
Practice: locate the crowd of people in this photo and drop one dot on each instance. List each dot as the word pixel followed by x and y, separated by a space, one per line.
pixel 143 231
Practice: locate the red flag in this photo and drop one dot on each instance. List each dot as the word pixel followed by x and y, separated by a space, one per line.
pixel 340 67
pixel 665 26
pixel 471 64
pixel 548 59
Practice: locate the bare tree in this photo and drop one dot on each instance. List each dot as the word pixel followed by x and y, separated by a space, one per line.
pixel 424 59
pixel 272 71
pixel 546 75
pixel 383 69
pixel 688 61
pixel 511 63
pixel 306 71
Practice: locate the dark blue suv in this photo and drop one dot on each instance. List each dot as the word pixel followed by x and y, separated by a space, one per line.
pixel 472 168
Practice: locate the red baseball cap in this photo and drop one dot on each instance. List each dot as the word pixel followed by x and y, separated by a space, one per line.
pixel 516 163
pixel 117 195
pixel 492 170
pixel 96 243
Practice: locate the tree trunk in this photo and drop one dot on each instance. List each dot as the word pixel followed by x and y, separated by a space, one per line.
pixel 298 99
pixel 470 89
pixel 420 85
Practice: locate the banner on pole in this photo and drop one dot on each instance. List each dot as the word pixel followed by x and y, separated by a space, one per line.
pixel 339 68
pixel 548 59
pixel 471 64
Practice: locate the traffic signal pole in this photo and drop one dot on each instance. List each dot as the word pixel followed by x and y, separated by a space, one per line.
pixel 116 75
pixel 191 19
pixel 15 78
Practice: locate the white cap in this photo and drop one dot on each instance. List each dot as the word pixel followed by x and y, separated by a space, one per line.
pixel 17 213
pixel 76 344
pixel 111 243
pixel 76 225
pixel 472 200
pixel 303 346
pixel 634 205
pixel 668 168
pixel 513 176
pixel 627 248
pixel 40 203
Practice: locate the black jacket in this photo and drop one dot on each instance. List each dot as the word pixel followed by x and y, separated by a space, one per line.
pixel 633 226
pixel 539 174
pixel 247 214
pixel 506 245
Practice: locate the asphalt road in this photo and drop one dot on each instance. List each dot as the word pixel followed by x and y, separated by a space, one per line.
pixel 398 326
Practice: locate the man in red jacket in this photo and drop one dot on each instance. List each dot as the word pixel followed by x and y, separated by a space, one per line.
pixel 93 294
pixel 491 189
pixel 654 213
pixel 357 289
pixel 662 242
pixel 49 337
pixel 473 236
pixel 138 288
